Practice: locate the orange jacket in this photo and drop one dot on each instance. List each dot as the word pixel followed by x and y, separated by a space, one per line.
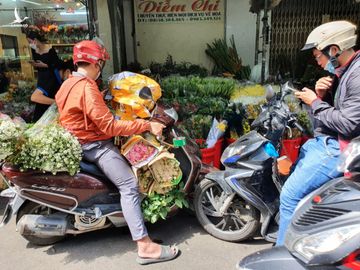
pixel 84 113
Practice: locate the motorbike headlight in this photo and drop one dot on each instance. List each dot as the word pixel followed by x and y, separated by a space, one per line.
pixel 326 241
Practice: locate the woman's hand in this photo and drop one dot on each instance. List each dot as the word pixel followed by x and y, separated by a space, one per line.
pixel 156 128
pixel 39 64
pixel 323 85
pixel 306 95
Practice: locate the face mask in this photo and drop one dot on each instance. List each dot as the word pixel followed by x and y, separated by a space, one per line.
pixel 33 46
pixel 332 63
pixel 330 67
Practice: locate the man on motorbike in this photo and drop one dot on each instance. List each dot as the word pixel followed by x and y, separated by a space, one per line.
pixel 332 45
pixel 84 113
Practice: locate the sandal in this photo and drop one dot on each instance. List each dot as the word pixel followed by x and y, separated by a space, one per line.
pixel 166 254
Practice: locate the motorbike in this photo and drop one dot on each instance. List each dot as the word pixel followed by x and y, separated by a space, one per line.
pixel 324 232
pixel 49 207
pixel 230 204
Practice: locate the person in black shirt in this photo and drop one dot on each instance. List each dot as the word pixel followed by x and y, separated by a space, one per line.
pixel 48 65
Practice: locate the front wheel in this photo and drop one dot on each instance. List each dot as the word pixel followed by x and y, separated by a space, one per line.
pixel 237 223
pixel 31 208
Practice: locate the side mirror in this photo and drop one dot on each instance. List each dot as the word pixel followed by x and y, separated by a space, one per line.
pixel 289 87
pixel 172 113
pixel 269 93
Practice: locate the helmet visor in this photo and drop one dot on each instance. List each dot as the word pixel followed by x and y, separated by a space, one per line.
pixel 308 46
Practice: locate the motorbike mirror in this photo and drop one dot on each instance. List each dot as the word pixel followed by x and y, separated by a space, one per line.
pixel 172 113
pixel 269 93
pixel 288 87
pixel 145 93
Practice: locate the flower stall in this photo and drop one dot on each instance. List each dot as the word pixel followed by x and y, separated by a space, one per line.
pixel 201 102
pixel 16 101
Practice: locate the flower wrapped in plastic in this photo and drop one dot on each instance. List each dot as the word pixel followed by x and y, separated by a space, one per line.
pixel 217 130
pixel 145 178
pixel 50 117
pixel 11 131
pixel 166 172
pixel 139 151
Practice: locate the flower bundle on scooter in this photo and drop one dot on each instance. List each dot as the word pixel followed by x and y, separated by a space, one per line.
pixel 53 149
pixel 10 132
pixel 45 146
pixel 157 170
pixel 138 151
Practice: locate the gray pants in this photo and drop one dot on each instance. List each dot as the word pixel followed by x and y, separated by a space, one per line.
pixel 108 158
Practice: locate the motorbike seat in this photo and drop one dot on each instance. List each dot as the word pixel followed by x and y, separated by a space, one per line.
pixel 91 168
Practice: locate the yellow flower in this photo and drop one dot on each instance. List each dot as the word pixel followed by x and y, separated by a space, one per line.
pixel 221 126
pixel 248 91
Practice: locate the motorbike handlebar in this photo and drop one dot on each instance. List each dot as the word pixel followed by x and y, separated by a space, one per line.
pixel 297 125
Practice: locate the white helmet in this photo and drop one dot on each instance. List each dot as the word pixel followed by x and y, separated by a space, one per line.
pixel 340 33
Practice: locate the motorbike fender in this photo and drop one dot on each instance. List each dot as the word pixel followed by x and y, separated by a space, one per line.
pixel 219 177
pixel 12 208
pixel 272 258
pixel 240 188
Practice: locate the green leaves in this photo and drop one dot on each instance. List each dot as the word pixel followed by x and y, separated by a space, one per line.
pixel 179 203
pixel 197 101
pixel 156 206
pixel 226 58
pixel 197 126
pixel 177 86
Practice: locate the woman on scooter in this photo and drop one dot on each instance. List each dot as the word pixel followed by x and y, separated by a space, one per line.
pixel 84 113
pixel 332 45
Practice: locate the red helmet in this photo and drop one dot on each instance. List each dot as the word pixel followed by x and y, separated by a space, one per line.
pixel 89 51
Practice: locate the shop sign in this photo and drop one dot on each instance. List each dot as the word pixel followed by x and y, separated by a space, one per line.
pixel 179 11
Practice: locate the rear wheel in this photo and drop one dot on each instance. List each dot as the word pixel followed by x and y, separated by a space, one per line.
pixel 239 222
pixel 31 208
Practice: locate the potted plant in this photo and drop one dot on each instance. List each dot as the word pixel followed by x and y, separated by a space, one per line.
pixel 198 127
pixel 304 121
pixel 291 143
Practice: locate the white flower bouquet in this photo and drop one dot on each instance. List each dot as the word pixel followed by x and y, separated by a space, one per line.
pixel 52 149
pixel 10 132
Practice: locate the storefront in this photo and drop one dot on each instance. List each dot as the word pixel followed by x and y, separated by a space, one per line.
pixel 62 22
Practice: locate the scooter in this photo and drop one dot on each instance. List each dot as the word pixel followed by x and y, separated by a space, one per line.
pixel 49 207
pixel 324 232
pixel 230 204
